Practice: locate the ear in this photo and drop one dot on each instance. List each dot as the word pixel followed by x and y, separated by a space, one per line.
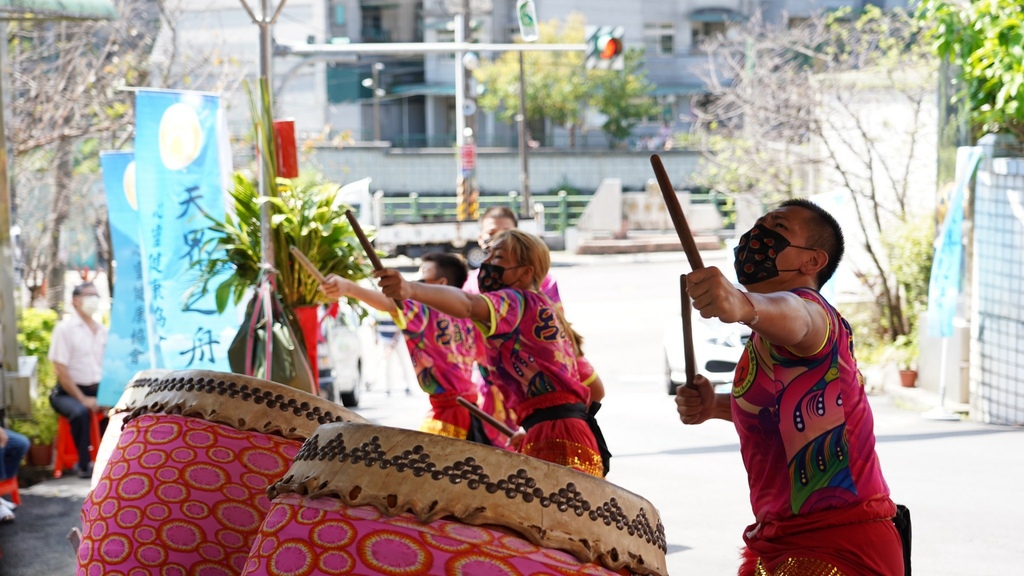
pixel 817 261
pixel 442 281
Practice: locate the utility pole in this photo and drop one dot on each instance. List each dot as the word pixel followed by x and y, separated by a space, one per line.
pixel 265 22
pixel 524 170
pixel 377 67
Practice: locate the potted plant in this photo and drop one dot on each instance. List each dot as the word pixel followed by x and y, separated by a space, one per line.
pixel 40 428
pixel 905 353
pixel 306 212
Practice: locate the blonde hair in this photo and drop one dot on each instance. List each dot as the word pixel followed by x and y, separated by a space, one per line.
pixel 529 250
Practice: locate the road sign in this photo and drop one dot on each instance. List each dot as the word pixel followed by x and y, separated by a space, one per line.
pixel 526 12
pixel 468 156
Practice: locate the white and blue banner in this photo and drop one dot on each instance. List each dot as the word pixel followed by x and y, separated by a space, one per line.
pixel 128 349
pixel 947 264
pixel 180 174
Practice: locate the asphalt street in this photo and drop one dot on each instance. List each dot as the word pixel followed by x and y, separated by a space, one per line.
pixel 960 479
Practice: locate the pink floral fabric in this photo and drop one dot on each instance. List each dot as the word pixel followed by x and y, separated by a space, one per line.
pixel 180 496
pixel 305 537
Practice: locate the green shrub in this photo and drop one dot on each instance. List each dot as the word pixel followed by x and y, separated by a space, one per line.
pixel 34 329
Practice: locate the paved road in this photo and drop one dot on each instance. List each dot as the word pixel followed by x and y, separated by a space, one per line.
pixel 958 478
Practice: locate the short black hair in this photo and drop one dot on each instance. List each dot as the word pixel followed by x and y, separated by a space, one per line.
pixel 825 234
pixel 449 266
pixel 77 291
pixel 500 212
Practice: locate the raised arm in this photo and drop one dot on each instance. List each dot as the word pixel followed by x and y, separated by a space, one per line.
pixel 782 318
pixel 337 287
pixel 447 299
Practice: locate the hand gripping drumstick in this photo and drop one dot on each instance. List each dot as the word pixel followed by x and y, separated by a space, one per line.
pixel 485 416
pixel 692 254
pixel 313 271
pixel 375 260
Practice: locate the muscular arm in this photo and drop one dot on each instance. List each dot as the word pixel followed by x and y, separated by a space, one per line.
pixel 783 318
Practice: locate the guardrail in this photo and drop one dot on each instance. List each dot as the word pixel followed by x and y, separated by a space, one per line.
pixel 562 210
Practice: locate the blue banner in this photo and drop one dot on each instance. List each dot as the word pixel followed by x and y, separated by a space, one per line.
pixel 947 265
pixel 180 172
pixel 127 349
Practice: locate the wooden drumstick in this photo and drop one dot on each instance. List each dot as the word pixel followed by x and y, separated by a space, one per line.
pixel 364 241
pixel 375 260
pixel 301 258
pixel 485 416
pixel 676 212
pixel 692 254
pixel 688 353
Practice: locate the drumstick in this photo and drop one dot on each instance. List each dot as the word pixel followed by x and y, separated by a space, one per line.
pixel 688 354
pixel 692 254
pixel 313 271
pixel 375 260
pixel 676 212
pixel 364 241
pixel 485 416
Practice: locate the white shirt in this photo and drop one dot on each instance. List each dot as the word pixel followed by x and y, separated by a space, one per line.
pixel 77 347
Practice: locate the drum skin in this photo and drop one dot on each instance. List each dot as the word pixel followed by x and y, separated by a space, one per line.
pixel 185 489
pixel 426 485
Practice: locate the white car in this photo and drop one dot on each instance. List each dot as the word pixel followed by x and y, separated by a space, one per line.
pixel 717 347
pixel 347 351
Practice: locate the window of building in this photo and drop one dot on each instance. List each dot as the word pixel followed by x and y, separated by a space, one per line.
pixel 659 38
pixel 706 24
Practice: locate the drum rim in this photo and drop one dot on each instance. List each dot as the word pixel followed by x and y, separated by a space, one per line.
pixel 624 517
pixel 273 408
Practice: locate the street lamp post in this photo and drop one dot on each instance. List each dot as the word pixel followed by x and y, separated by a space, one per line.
pixel 377 92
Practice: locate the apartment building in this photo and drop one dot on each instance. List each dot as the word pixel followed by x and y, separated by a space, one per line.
pixel 409 100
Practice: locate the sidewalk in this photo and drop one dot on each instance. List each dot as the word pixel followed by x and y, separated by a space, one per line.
pixel 36 543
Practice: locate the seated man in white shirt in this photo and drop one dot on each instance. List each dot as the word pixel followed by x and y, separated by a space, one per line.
pixel 76 350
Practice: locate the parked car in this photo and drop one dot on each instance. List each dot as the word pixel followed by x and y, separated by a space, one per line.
pixel 716 347
pixel 348 350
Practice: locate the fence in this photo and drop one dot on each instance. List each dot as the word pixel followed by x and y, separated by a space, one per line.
pixel 997 318
pixel 561 210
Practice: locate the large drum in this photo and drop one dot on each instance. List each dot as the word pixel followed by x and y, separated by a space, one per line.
pixel 185 489
pixel 365 499
pixel 130 399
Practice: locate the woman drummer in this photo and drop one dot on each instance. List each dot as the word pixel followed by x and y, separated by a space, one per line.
pixel 529 344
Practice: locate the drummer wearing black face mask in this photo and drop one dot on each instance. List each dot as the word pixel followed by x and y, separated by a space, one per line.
pixel 819 499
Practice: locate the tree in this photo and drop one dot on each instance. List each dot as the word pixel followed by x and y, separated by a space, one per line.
pixel 623 97
pixel 833 104
pixel 983 40
pixel 558 85
pixel 68 101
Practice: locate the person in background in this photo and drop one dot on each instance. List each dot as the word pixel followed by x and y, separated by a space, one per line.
pixel 76 350
pixel 529 344
pixel 495 220
pixel 442 348
pixel 13 447
pixel 806 430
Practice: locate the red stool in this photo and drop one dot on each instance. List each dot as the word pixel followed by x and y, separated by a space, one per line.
pixel 10 486
pixel 67 455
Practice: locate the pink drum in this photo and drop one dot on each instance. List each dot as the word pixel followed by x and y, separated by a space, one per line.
pixel 185 489
pixel 365 499
pixel 130 400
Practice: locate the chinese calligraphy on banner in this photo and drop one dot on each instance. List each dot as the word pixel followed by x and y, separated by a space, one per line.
pixel 180 168
pixel 128 349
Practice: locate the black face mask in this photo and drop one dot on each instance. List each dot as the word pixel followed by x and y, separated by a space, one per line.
pixel 756 253
pixel 490 277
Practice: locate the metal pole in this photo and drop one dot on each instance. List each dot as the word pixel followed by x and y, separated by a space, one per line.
pixel 8 305
pixel 460 86
pixel 524 174
pixel 266 74
pixel 376 101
